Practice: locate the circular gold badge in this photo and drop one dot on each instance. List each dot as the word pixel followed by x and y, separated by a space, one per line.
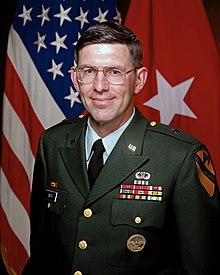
pixel 136 243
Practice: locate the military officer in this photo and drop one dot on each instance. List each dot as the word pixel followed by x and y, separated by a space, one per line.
pixel 153 209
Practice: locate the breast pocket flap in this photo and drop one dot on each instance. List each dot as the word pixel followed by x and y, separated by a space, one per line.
pixel 138 214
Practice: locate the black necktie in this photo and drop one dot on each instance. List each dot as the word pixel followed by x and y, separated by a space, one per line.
pixel 96 161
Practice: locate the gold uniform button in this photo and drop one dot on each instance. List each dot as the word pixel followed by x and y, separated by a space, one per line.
pixel 87 213
pixel 137 220
pixel 83 244
pixel 153 123
pixel 78 273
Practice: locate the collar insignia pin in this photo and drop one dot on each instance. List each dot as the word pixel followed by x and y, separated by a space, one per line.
pixel 132 147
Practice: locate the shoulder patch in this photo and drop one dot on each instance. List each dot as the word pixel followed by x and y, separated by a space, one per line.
pixel 205 171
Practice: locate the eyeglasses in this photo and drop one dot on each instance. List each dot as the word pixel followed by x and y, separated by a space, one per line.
pixel 114 75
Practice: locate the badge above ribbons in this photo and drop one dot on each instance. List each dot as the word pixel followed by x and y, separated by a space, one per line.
pixel 206 172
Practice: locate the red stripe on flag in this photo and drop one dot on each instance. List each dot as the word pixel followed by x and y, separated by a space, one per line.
pixel 15 254
pixel 22 106
pixel 15 174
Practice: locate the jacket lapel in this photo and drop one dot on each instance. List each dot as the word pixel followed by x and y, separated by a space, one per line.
pixel 73 156
pixel 125 158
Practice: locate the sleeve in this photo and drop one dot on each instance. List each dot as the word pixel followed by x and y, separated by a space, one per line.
pixel 38 215
pixel 196 203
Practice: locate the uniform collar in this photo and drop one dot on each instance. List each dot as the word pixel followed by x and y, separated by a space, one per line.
pixel 109 141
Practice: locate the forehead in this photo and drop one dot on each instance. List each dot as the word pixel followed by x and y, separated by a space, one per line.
pixel 105 54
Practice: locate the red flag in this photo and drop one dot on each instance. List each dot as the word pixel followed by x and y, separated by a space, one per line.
pixel 183 86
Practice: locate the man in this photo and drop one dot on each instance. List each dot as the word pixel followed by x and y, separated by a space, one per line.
pixel 153 209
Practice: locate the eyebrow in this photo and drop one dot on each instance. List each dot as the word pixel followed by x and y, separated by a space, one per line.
pixel 102 66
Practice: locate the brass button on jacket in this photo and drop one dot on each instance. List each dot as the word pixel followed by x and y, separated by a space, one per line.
pixel 87 213
pixel 83 244
pixel 137 220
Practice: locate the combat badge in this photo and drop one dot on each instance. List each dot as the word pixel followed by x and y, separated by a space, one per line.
pixel 205 171
pixel 136 243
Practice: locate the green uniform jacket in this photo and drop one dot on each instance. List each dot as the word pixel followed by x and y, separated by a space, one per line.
pixel 116 228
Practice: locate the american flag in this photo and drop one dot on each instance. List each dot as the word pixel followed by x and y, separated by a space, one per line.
pixel 38 94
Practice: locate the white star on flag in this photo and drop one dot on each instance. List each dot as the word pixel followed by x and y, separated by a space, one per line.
pixel 56 69
pixel 73 97
pixel 82 17
pixel 40 42
pixel 44 15
pixel 118 16
pixel 59 42
pixel 26 15
pixel 170 100
pixel 101 17
pixel 63 15
pixel 74 43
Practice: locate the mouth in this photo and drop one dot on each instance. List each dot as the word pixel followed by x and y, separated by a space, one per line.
pixel 102 101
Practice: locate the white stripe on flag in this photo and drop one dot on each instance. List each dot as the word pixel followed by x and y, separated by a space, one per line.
pixel 17 137
pixel 37 91
pixel 16 214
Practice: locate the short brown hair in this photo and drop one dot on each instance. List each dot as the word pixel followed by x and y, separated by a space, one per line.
pixel 112 33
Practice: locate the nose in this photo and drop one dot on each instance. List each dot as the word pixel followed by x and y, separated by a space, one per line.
pixel 100 83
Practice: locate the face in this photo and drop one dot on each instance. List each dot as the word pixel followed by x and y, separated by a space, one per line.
pixel 109 104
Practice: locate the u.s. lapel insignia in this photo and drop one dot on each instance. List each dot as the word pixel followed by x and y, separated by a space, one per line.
pixel 132 147
pixel 205 171
pixel 136 243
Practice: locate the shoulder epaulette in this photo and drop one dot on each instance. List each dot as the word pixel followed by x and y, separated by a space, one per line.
pixel 72 120
pixel 172 132
pixel 68 120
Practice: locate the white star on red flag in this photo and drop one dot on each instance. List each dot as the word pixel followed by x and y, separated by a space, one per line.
pixel 170 99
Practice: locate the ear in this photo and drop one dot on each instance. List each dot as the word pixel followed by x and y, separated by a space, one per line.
pixel 74 79
pixel 141 79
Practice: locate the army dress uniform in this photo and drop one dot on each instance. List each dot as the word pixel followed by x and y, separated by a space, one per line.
pixel 154 208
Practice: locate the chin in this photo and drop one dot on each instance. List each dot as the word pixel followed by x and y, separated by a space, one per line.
pixel 102 118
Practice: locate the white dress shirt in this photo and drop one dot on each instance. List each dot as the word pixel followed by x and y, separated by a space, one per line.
pixel 109 141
